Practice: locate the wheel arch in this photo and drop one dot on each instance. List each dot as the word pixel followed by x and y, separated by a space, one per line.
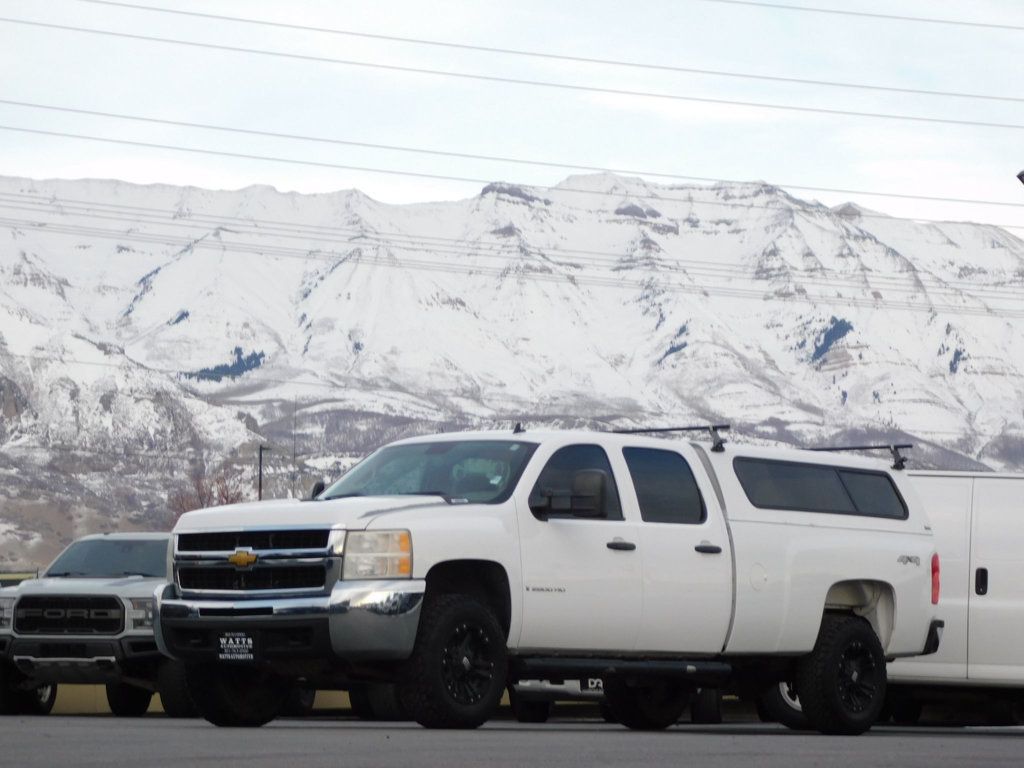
pixel 871 599
pixel 484 579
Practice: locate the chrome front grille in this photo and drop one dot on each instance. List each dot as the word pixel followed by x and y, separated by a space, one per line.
pixel 264 578
pixel 256 563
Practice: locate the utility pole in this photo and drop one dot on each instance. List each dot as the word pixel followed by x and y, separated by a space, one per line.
pixel 259 489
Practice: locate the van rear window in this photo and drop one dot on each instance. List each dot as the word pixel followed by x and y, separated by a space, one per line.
pixel 771 484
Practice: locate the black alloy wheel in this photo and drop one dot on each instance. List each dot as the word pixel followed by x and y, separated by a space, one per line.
pixel 459 665
pixel 842 682
pixel 467 664
pixel 858 678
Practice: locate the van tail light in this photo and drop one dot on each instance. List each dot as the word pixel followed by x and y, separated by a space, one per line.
pixel 935 579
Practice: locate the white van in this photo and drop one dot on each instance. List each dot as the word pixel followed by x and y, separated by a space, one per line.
pixel 978 520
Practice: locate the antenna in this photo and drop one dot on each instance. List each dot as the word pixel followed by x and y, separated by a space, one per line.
pixel 899 461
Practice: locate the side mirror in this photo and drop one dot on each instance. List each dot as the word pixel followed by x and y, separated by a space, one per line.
pixel 589 487
pixel 318 488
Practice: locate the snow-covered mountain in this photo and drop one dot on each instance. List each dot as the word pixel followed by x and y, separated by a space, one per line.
pixel 146 331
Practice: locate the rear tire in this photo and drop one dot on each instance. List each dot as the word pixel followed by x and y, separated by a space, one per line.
pixel 842 681
pixel 902 709
pixel 780 704
pixel 653 706
pixel 706 707
pixel 172 685
pixel 359 701
pixel 456 674
pixel 528 710
pixel 386 704
pixel 299 702
pixel 128 701
pixel 236 697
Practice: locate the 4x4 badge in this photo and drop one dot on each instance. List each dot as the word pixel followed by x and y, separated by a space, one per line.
pixel 243 558
pixel 908 560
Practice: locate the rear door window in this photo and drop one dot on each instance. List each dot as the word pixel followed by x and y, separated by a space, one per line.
pixel 665 486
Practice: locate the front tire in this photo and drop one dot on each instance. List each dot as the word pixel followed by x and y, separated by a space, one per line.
pixel 128 701
pixel 172 685
pixel 236 697
pixel 38 701
pixel 653 706
pixel 842 681
pixel 456 674
pixel 780 704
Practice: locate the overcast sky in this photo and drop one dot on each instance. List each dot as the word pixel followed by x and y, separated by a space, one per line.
pixel 330 100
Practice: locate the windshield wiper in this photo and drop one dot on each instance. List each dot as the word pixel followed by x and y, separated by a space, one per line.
pixel 140 573
pixel 341 496
pixel 442 494
pixel 64 574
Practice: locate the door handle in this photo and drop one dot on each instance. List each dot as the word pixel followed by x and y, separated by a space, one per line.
pixel 622 546
pixel 707 548
pixel 981 581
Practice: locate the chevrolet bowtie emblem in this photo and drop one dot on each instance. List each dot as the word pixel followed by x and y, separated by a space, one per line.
pixel 242 558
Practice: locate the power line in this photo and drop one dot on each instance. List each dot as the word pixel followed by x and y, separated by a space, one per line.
pixel 521 81
pixel 595 281
pixel 470 156
pixel 864 14
pixel 304 228
pixel 552 56
pixel 452 246
pixel 367 169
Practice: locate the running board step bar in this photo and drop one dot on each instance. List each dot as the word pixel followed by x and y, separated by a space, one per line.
pixel 547 668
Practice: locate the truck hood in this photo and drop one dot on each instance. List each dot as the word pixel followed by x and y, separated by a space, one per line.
pixel 123 586
pixel 353 513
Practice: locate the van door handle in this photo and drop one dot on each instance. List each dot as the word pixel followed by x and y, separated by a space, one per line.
pixel 622 546
pixel 981 581
pixel 706 548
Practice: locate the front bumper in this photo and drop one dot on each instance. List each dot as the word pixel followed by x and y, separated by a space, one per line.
pixel 63 659
pixel 358 620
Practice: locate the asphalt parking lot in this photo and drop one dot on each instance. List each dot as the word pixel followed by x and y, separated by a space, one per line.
pixel 342 741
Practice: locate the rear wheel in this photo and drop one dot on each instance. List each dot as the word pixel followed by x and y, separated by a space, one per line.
pixel 780 704
pixel 652 706
pixel 706 707
pixel 842 681
pixel 359 701
pixel 172 685
pixel 236 697
pixel 299 702
pixel 127 700
pixel 528 710
pixel 902 709
pixel 456 674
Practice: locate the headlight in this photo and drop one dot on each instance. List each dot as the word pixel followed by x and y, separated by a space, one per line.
pixel 6 611
pixel 141 612
pixel 378 555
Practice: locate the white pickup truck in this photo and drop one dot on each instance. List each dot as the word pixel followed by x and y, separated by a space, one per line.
pixel 455 564
pixel 89 619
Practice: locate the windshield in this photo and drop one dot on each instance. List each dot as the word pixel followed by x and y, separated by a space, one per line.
pixel 482 471
pixel 104 558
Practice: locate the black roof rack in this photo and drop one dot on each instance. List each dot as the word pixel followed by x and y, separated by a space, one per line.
pixel 898 459
pixel 718 442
